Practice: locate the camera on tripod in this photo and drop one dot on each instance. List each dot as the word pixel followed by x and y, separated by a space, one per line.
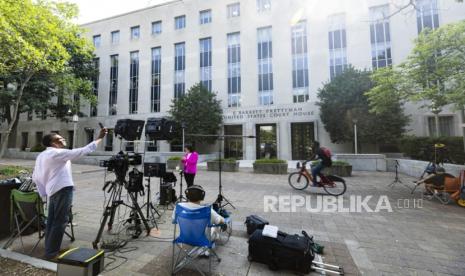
pixel 121 162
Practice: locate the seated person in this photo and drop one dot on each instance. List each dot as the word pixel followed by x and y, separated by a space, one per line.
pixel 441 181
pixel 195 194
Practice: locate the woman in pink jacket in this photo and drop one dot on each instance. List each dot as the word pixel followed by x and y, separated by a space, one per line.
pixel 190 164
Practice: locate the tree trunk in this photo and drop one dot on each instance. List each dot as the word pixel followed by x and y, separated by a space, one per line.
pixel 15 116
pixel 462 115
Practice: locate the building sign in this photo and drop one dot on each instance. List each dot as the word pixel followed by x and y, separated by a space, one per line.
pixel 267 113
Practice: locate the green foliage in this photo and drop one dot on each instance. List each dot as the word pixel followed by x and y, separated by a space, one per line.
pixel 334 163
pixel 226 160
pixel 422 148
pixel 434 72
pixel 343 100
pixel 201 113
pixel 12 171
pixel 270 161
pixel 175 158
pixel 37 148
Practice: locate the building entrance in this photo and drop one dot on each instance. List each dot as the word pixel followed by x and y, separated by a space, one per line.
pixel 302 136
pixel 266 141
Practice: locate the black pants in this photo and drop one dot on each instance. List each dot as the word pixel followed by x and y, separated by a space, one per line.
pixel 189 177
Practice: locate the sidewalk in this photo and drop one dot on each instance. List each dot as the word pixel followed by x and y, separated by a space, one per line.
pixel 407 241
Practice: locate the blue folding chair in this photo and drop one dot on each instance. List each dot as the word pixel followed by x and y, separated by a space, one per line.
pixel 195 231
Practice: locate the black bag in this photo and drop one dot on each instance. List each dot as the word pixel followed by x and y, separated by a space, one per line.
pixel 254 222
pixel 293 252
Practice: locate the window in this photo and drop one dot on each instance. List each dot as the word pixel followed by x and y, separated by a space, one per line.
pixel 156 78
pixel 109 140
pixel 337 45
pixel 96 40
pixel 299 62
pixel 380 37
pixel 135 32
pixel 39 136
pixel 114 37
pixel 113 85
pixel 179 69
pixel 180 22
pixel 206 63
pixel 427 14
pixel 205 17
pixel 156 27
pixel 234 70
pixel 265 66
pixel 93 107
pixel 29 115
pixel 234 10
pixel 445 126
pixel 133 81
pixel 263 5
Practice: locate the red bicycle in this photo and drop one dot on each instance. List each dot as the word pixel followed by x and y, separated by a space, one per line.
pixel 332 184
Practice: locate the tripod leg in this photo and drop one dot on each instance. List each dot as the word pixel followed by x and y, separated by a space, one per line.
pixel 139 211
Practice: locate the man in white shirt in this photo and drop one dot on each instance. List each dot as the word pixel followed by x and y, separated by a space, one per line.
pixel 53 177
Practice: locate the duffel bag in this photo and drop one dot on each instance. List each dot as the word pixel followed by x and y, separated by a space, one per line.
pixel 254 222
pixel 292 252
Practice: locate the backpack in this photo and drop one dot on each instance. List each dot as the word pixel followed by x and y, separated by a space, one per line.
pixel 326 152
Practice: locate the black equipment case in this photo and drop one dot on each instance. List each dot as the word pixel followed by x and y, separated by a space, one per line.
pixel 254 222
pixel 293 252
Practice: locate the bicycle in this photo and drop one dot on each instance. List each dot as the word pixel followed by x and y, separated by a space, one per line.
pixel 332 184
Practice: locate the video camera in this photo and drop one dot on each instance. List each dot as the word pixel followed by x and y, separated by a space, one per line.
pixel 119 163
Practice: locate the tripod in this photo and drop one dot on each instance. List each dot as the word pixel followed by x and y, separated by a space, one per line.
pixel 181 197
pixel 113 203
pixel 150 208
pixel 397 179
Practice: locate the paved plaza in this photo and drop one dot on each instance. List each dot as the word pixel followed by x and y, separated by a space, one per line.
pixel 419 236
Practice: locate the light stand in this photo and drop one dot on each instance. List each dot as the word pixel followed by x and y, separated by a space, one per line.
pixel 220 138
pixel 181 197
pixel 397 179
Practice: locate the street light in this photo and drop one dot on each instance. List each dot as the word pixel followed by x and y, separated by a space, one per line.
pixel 355 134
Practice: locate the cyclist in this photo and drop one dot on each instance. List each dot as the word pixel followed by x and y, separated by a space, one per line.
pixel 324 155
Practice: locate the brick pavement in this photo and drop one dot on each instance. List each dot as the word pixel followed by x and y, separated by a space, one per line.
pixel 413 241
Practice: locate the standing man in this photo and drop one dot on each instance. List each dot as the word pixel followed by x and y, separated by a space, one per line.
pixel 53 177
pixel 324 155
pixel 190 164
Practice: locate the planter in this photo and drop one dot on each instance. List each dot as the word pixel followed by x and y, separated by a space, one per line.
pixel 172 164
pixel 270 168
pixel 339 170
pixel 225 166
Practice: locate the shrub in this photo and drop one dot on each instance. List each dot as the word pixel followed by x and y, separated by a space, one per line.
pixel 270 161
pixel 175 158
pixel 37 148
pixel 12 171
pixel 335 163
pixel 422 148
pixel 226 160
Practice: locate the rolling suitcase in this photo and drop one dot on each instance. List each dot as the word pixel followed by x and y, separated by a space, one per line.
pixel 254 222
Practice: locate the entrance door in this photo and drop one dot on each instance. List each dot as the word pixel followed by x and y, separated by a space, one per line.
pixel 233 145
pixel 302 136
pixel 266 141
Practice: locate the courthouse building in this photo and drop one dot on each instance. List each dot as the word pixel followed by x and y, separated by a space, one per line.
pixel 265 59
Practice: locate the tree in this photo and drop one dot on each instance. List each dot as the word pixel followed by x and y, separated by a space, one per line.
pixel 39 57
pixel 201 113
pixel 433 74
pixel 343 100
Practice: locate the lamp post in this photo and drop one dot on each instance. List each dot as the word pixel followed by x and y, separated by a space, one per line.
pixel 355 135
pixel 436 110
pixel 75 121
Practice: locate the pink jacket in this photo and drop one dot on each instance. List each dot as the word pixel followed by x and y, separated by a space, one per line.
pixel 190 162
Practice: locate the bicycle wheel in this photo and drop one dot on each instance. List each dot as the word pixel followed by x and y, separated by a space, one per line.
pixel 298 181
pixel 336 187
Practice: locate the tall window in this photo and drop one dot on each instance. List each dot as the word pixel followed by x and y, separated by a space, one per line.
pixel 337 45
pixel 234 10
pixel 133 82
pixel 234 70
pixel 427 14
pixel 265 66
pixel 445 126
pixel 380 37
pixel 299 62
pixel 205 17
pixel 156 78
pixel 179 69
pixel 97 40
pixel 263 5
pixel 156 27
pixel 113 84
pixel 135 32
pixel 206 63
pixel 180 22
pixel 114 37
pixel 95 79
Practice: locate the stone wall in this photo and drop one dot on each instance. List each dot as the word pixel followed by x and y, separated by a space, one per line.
pixel 415 168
